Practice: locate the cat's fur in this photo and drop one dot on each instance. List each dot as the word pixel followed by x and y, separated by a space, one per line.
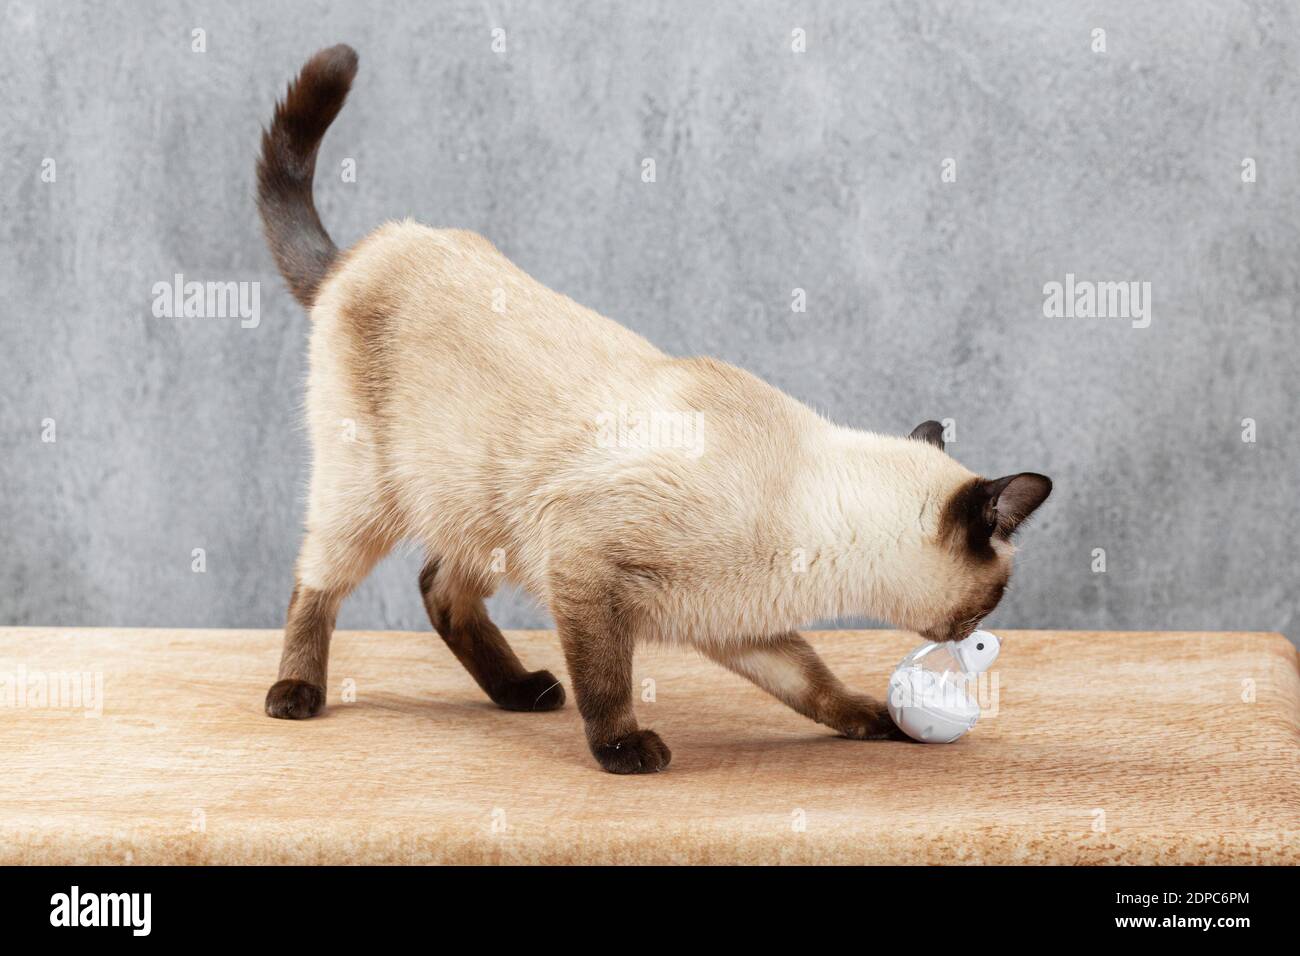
pixel 456 401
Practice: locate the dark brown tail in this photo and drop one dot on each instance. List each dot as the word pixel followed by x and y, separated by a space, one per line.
pixel 302 248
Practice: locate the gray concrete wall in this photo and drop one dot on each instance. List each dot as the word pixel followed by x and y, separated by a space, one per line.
pixel 776 170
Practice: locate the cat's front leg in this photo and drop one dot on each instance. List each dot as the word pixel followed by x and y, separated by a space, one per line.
pixel 598 644
pixel 859 717
pixel 787 667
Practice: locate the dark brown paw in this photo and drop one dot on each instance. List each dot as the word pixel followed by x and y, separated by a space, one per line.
pixel 863 718
pixel 294 700
pixel 641 751
pixel 540 690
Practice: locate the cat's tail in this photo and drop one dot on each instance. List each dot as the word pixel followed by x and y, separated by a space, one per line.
pixel 302 248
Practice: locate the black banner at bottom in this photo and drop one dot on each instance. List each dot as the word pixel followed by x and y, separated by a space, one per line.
pixel 335 906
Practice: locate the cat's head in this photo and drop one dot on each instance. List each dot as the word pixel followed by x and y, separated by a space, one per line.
pixel 963 558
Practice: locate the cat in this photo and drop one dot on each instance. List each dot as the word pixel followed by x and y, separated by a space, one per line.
pixel 478 402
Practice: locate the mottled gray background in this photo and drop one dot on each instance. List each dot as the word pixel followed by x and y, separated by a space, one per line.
pixel 776 170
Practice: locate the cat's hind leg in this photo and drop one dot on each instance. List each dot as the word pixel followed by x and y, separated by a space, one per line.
pixel 332 562
pixel 456 610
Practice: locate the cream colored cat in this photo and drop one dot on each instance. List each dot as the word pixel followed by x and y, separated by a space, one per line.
pixel 520 437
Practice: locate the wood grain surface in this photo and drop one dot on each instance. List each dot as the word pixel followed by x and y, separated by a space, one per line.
pixel 1094 748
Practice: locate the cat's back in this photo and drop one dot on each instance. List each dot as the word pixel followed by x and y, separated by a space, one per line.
pixel 450 297
pixel 472 381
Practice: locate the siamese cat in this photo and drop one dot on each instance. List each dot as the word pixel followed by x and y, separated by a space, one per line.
pixel 455 401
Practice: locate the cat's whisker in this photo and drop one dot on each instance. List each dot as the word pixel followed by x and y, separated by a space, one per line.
pixel 545 692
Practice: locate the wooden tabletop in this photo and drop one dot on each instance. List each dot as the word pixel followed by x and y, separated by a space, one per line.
pixel 1094 748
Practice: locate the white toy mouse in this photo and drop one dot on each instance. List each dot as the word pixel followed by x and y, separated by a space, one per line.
pixel 931 693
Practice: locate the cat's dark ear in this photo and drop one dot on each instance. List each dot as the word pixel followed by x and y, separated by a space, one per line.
pixel 1010 500
pixel 931 432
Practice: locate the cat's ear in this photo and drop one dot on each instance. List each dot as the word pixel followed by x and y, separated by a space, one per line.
pixel 1010 500
pixel 931 432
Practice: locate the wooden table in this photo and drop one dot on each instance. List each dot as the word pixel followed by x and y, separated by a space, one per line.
pixel 1096 748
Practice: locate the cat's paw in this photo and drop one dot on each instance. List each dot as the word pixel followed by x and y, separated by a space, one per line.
pixel 864 718
pixel 540 690
pixel 641 751
pixel 294 700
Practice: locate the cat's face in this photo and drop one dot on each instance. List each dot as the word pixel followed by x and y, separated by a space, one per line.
pixel 967 563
